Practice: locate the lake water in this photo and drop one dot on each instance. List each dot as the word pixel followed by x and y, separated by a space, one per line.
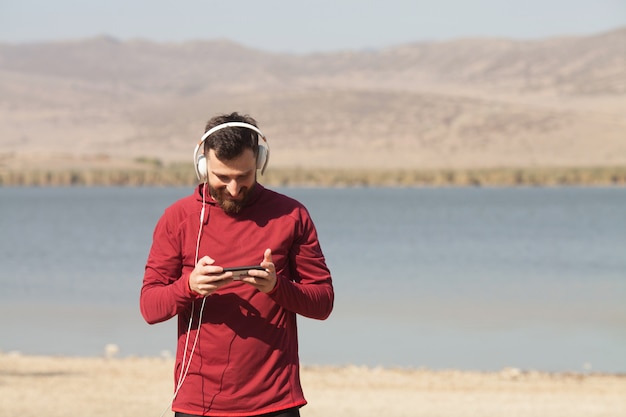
pixel 465 278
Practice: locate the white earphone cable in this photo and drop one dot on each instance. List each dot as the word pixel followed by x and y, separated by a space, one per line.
pixel 184 370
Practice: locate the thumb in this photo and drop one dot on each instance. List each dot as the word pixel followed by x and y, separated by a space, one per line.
pixel 267 256
pixel 206 260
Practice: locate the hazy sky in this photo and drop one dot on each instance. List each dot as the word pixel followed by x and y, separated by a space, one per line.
pixel 307 25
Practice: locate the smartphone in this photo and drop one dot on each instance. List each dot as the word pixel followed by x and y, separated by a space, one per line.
pixel 242 271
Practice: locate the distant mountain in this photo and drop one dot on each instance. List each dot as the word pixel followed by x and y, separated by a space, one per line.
pixel 461 103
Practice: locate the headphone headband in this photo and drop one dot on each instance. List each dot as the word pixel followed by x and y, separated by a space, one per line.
pixel 262 157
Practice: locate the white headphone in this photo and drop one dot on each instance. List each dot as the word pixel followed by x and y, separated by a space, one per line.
pixel 200 162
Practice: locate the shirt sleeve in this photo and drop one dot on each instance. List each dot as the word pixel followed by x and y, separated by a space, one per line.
pixel 165 290
pixel 310 292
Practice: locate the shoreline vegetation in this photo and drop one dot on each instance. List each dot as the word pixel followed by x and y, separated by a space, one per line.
pixel 179 174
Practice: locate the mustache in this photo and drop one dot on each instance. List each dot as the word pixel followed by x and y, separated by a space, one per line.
pixel 229 205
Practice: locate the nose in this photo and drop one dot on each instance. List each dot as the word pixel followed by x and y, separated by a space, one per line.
pixel 233 188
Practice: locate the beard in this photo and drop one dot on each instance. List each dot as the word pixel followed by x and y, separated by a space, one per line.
pixel 223 199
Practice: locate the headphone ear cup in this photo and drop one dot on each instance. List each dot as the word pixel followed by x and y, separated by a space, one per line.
pixel 201 168
pixel 261 158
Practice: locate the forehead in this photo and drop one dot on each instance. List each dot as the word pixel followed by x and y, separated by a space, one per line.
pixel 241 164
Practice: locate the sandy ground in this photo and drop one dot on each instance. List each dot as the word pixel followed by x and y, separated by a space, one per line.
pixel 94 387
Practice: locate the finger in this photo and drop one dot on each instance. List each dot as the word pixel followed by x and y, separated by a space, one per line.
pixel 216 273
pixel 268 263
pixel 255 281
pixel 267 256
pixel 256 273
pixel 206 260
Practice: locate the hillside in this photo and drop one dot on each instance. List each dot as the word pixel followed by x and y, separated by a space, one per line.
pixel 460 104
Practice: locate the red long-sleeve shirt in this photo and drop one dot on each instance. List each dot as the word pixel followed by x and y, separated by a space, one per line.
pixel 246 359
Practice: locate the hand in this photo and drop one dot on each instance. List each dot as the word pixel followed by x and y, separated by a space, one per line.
pixel 264 281
pixel 206 278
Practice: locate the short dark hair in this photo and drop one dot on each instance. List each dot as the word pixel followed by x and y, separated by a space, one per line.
pixel 230 142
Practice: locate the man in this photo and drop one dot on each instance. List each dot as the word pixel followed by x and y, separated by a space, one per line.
pixel 237 352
